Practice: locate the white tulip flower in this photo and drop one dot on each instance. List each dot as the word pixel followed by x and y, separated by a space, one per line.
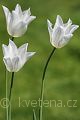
pixel 17 21
pixel 61 33
pixel 15 58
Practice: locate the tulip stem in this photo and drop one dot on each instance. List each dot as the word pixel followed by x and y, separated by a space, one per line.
pixel 34 115
pixel 12 38
pixel 42 86
pixel 6 94
pixel 11 86
pixel 12 77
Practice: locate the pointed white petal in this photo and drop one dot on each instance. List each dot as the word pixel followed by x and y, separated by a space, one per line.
pixel 70 29
pixel 8 64
pixel 73 28
pixel 30 19
pixel 59 21
pixel 5 50
pixel 18 10
pixel 27 12
pixel 22 49
pixel 69 21
pixel 12 45
pixel 25 57
pixel 12 49
pixel 50 28
pixel 8 17
pixel 22 53
pixel 9 24
pixel 6 12
pixel 29 55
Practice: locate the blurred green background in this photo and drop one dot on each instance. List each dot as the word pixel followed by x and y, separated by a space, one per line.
pixel 63 74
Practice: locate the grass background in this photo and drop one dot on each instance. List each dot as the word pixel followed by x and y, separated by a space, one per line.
pixel 63 74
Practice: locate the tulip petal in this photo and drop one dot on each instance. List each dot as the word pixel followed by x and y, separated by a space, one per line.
pixel 5 50
pixel 27 13
pixel 18 10
pixel 22 53
pixel 50 30
pixel 59 21
pixel 8 64
pixel 12 45
pixel 22 49
pixel 19 29
pixel 64 40
pixel 16 64
pixel 73 28
pixel 29 55
pixel 68 36
pixel 57 36
pixel 15 17
pixel 26 16
pixel 12 49
pixel 6 12
pixel 30 19
pixel 7 15
pixel 69 23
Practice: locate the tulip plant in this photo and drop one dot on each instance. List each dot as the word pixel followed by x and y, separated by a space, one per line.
pixel 14 58
pixel 59 37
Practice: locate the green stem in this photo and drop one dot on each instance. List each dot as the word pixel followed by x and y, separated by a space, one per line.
pixel 12 38
pixel 7 108
pixel 10 112
pixel 43 80
pixel 6 95
pixel 11 86
pixel 12 78
pixel 34 115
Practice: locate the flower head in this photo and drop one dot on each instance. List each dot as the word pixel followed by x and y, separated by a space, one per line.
pixel 61 33
pixel 17 21
pixel 15 58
